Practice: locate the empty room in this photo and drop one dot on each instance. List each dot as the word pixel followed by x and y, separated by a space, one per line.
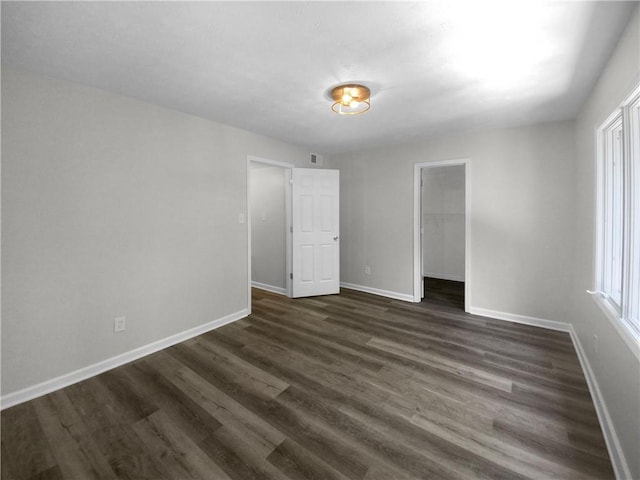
pixel 320 240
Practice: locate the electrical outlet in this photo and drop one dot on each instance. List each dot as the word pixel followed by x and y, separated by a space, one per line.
pixel 119 324
pixel 595 343
pixel 367 270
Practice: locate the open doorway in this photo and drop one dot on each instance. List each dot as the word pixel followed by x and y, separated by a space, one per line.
pixel 441 250
pixel 311 253
pixel 269 224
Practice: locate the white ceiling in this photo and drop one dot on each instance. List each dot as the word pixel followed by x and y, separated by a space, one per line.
pixel 268 67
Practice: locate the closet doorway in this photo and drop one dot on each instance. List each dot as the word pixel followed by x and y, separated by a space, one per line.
pixel 269 225
pixel 441 233
pixel 293 229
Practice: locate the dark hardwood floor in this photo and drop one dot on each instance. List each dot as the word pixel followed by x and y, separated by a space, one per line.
pixel 447 293
pixel 351 386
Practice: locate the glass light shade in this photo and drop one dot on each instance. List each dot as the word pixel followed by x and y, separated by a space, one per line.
pixel 351 99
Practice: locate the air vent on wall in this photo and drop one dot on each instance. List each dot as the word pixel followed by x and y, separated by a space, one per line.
pixel 315 159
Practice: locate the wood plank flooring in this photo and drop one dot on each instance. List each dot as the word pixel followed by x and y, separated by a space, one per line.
pixel 350 386
pixel 447 293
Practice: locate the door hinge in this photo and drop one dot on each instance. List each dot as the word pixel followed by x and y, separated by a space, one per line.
pixel 291 229
pixel 291 276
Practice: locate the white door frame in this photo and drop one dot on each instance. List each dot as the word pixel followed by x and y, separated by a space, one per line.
pixel 417 225
pixel 288 167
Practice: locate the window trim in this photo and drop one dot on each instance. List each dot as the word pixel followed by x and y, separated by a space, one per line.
pixel 606 182
pixel 632 197
pixel 620 325
pixel 618 317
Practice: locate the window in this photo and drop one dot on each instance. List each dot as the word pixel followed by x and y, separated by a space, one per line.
pixel 618 243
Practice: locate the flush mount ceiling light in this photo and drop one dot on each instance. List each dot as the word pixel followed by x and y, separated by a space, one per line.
pixel 351 99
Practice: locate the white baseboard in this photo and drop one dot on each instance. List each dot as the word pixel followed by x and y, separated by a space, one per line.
pixel 616 453
pixel 618 460
pixel 48 386
pixel 455 278
pixel 515 318
pixel 269 288
pixel 383 293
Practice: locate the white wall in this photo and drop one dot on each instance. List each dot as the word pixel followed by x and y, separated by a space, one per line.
pixel 268 224
pixel 615 367
pixel 443 222
pixel 521 215
pixel 113 207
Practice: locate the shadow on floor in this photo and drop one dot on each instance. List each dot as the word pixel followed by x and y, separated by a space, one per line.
pixel 445 293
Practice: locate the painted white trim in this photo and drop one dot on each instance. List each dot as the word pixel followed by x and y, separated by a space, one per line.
pixel 440 276
pixel 619 317
pixel 376 291
pixel 288 224
pixel 276 163
pixel 48 386
pixel 616 454
pixel 625 332
pixel 248 209
pixel 524 319
pixel 269 288
pixel 417 247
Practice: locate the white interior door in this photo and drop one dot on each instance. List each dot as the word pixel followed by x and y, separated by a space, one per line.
pixel 315 232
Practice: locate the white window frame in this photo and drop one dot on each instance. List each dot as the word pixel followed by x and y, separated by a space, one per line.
pixel 622 313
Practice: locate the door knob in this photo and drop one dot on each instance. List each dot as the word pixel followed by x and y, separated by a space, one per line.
pixel 335 238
